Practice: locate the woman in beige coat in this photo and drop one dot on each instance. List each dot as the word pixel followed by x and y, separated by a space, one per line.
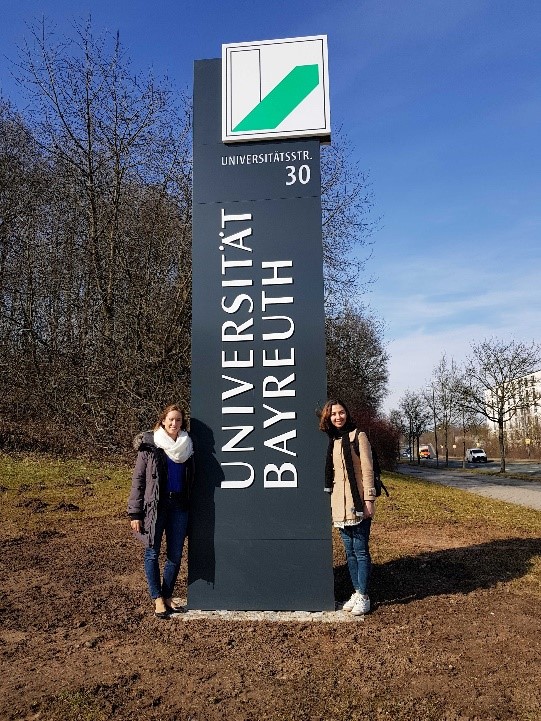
pixel 349 478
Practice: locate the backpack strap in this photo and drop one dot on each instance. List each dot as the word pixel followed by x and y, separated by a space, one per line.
pixel 356 443
pixel 378 483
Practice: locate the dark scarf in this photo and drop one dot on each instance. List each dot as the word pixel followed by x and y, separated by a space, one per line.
pixel 343 433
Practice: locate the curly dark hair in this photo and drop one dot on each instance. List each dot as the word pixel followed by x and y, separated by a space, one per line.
pixel 325 423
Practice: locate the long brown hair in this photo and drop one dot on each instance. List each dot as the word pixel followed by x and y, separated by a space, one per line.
pixel 168 409
pixel 325 423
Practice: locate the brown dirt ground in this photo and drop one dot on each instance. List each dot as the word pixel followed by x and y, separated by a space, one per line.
pixel 455 635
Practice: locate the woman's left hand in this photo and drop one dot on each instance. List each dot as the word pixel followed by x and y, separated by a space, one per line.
pixel 369 509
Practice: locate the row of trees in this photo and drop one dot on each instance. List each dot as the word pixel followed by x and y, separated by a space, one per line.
pixel 96 230
pixel 357 373
pixel 493 385
pixel 95 251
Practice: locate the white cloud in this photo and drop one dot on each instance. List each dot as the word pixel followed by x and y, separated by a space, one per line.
pixel 413 358
pixel 422 330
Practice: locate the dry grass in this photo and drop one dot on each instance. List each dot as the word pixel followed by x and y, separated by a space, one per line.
pixel 488 538
pixel 47 488
pixel 414 501
pixel 419 517
pixel 457 584
pixel 42 491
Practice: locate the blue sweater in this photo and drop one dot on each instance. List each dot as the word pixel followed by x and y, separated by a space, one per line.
pixel 176 473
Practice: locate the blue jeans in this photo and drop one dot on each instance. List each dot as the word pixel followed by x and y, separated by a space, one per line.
pixel 174 521
pixel 355 540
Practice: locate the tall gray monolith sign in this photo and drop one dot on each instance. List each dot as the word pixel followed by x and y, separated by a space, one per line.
pixel 260 534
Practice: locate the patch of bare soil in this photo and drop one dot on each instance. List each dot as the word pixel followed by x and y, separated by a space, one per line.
pixel 453 636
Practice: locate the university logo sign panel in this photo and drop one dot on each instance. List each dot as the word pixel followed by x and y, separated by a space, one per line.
pixel 275 89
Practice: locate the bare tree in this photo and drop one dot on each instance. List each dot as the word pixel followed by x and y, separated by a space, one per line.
pixel 495 376
pixel 109 130
pixel 442 397
pixel 96 282
pixel 417 414
pixel 468 419
pixel 401 426
pixel 356 359
pixel 25 189
pixel 347 202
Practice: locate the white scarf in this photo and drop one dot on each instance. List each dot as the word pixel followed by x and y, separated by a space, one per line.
pixel 178 451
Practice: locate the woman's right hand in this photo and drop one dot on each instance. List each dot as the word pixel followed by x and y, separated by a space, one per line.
pixel 136 526
pixel 369 508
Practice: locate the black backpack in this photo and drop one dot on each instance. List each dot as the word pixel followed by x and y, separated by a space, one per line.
pixel 378 483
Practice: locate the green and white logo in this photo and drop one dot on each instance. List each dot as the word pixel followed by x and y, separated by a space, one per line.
pixel 275 89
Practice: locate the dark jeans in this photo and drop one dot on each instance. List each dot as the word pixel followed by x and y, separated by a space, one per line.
pixel 355 540
pixel 172 520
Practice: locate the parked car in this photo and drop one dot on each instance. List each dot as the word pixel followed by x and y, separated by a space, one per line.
pixel 405 453
pixel 476 455
pixel 424 453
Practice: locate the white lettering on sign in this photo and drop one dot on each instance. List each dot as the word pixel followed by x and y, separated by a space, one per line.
pixel 276 279
pixel 277 480
pixel 243 483
pixel 260 158
pixel 240 401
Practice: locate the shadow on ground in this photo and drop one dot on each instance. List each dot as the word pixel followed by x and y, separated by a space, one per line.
pixel 449 571
pixel 453 570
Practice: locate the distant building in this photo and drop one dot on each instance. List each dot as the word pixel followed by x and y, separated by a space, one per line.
pixel 524 426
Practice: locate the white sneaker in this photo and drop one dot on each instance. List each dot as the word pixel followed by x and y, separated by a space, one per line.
pixel 362 606
pixel 348 605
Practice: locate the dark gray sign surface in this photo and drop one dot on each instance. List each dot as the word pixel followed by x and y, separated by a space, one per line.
pixel 260 525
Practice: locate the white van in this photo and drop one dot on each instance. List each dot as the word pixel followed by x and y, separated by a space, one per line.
pixel 476 455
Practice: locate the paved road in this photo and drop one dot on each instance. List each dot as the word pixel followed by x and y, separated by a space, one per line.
pixel 512 490
pixel 523 468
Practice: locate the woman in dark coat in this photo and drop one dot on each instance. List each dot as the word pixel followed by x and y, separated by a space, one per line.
pixel 158 501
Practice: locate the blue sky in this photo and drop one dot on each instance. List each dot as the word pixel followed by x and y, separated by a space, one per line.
pixel 441 102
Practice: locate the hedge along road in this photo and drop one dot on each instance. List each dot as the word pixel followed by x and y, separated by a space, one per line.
pixel 511 490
